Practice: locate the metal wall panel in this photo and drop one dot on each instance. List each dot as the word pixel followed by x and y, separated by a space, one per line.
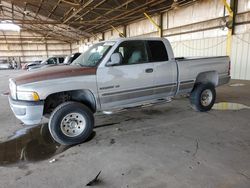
pixel 240 56
pixel 201 19
pixel 113 34
pixel 216 46
pixel 31 52
pixel 243 5
pixel 75 47
pixel 193 13
pixel 142 27
pixel 30 47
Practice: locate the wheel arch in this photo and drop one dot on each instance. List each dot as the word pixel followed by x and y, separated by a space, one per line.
pixel 207 77
pixel 83 96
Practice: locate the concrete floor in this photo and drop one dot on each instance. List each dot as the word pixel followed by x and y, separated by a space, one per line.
pixel 167 145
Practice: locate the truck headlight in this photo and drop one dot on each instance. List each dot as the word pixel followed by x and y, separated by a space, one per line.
pixel 27 96
pixel 12 87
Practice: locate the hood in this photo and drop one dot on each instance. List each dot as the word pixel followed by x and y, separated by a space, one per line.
pixel 38 66
pixel 54 73
pixel 34 66
pixel 32 63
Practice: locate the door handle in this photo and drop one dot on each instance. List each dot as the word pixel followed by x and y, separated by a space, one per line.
pixel 150 70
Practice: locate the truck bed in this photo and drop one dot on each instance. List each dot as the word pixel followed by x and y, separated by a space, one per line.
pixel 197 58
pixel 189 69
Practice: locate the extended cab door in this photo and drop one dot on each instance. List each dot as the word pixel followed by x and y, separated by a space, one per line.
pixel 130 82
pixel 165 70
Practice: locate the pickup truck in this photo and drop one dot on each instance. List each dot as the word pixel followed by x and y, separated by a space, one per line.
pixel 49 62
pixel 113 75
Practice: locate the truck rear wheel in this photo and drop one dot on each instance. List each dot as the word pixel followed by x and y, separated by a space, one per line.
pixel 202 97
pixel 71 123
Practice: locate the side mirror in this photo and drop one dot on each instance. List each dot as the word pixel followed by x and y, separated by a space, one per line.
pixel 115 59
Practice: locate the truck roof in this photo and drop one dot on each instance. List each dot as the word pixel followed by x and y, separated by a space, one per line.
pixel 135 38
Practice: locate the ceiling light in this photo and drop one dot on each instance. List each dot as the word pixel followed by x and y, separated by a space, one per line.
pixel 9 26
pixel 26 12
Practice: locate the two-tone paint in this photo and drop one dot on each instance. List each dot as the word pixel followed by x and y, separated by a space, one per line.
pixel 121 86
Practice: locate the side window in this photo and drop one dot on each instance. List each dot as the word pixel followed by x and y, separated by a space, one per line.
pixel 158 51
pixel 133 52
pixel 51 61
pixel 61 59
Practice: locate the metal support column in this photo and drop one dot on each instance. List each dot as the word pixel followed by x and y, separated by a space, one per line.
pixel 120 33
pixel 46 48
pixel 103 36
pixel 125 30
pixel 70 45
pixel 234 7
pixel 230 25
pixel 159 27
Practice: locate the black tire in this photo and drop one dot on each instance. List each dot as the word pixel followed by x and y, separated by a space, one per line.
pixel 57 126
pixel 196 97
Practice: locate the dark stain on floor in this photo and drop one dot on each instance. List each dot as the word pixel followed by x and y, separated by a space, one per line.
pixel 29 145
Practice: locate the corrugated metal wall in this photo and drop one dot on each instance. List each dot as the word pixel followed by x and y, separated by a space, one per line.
pixel 216 46
pixel 240 56
pixel 197 30
pixel 212 42
pixel 27 47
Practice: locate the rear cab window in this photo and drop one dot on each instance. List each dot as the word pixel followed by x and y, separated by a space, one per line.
pixel 157 51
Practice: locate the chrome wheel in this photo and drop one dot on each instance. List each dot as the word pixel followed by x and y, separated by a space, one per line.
pixel 206 97
pixel 73 124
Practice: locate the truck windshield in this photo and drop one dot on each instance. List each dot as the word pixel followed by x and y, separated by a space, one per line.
pixel 93 56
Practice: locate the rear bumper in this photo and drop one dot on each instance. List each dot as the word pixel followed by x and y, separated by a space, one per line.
pixel 28 112
pixel 224 79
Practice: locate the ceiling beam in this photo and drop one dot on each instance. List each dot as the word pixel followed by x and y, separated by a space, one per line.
pixel 108 12
pixel 128 13
pixel 67 13
pixel 24 10
pixel 97 5
pixel 77 11
pixel 71 3
pixel 53 9
pixel 39 8
pixel 57 34
pixel 65 33
pixel 108 9
pixel 41 33
pixel 37 22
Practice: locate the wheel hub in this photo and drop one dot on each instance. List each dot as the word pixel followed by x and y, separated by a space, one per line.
pixel 206 97
pixel 73 124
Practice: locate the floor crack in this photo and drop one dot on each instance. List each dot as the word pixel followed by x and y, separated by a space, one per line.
pixel 196 148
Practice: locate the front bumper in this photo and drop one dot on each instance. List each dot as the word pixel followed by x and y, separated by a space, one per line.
pixel 28 112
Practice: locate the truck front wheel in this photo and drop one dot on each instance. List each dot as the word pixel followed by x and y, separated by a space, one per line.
pixel 71 123
pixel 203 96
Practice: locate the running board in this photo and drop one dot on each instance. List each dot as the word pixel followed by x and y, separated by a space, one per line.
pixel 156 102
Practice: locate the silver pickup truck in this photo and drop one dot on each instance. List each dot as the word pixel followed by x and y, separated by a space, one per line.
pixel 109 76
